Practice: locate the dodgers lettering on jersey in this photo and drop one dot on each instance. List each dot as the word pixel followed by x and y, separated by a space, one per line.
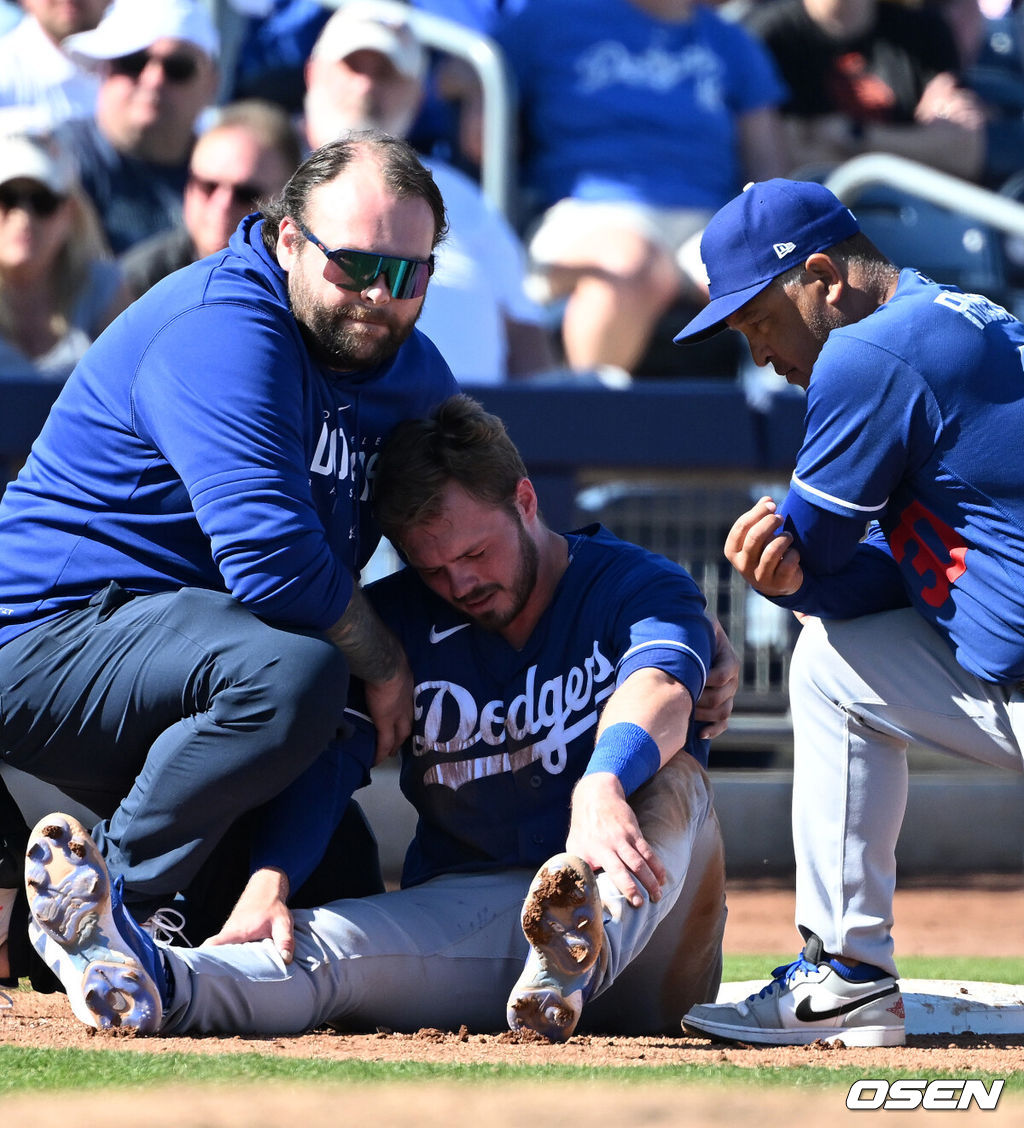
pixel 914 417
pixel 540 723
pixel 501 736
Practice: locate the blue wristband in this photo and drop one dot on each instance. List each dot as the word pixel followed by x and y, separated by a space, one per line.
pixel 627 751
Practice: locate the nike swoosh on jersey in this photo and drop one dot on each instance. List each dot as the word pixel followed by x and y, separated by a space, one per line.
pixel 806 1013
pixel 440 636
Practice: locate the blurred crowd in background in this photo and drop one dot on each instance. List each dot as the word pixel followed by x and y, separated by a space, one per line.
pixel 135 135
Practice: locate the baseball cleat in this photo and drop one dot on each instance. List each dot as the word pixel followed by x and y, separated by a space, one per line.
pixel 110 968
pixel 815 998
pixel 562 919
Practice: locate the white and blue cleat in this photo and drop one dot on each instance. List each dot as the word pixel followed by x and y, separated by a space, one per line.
pixel 563 919
pixel 111 969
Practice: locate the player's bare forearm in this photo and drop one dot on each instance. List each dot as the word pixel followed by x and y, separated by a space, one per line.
pixel 603 828
pixel 655 701
pixel 762 554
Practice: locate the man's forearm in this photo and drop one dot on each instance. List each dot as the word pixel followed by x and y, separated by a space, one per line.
pixel 373 652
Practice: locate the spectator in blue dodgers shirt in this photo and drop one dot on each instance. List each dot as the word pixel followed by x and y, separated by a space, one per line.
pixel 367 68
pixel 555 726
pixel 640 119
pixel 157 64
pixel 179 557
pixel 40 85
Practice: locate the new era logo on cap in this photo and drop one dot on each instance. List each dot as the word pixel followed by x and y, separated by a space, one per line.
pixel 759 235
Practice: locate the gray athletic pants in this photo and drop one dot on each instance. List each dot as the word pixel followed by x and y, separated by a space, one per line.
pixel 448 952
pixel 861 691
pixel 170 716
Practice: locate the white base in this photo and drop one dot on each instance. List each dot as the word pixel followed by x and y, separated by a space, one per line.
pixel 939 1006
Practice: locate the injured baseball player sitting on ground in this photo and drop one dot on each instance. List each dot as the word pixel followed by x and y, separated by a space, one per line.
pixel 555 677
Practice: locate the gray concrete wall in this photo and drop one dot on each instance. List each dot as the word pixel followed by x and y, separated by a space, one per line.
pixel 964 821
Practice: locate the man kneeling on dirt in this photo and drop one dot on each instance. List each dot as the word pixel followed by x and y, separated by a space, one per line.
pixel 555 727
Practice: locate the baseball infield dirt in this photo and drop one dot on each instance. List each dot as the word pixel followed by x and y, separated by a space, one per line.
pixel 955 918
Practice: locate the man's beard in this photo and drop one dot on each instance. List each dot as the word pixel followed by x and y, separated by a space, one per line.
pixel 332 332
pixel 523 583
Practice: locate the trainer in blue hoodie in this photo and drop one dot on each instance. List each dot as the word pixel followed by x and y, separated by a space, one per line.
pixel 179 605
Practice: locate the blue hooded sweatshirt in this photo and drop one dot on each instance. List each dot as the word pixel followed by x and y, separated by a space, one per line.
pixel 198 443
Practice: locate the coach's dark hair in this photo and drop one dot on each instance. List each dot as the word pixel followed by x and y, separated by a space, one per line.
pixel 458 442
pixel 404 174
pixel 857 248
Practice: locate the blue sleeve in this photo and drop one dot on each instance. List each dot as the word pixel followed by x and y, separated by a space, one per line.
pixel 845 576
pixel 228 416
pixel 297 826
pixel 665 627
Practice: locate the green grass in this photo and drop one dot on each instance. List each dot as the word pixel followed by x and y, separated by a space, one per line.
pixel 24 1070
pixel 993 969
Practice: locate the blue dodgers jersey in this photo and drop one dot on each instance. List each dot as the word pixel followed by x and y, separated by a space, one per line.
pixel 621 105
pixel 198 444
pixel 501 736
pixel 914 419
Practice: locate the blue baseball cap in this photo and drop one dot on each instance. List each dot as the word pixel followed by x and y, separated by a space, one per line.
pixel 769 227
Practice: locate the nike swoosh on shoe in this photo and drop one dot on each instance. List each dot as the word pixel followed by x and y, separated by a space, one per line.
pixel 806 1013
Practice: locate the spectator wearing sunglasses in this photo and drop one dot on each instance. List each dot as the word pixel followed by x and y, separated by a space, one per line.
pixel 58 287
pixel 157 63
pixel 188 533
pixel 40 85
pixel 247 153
pixel 368 69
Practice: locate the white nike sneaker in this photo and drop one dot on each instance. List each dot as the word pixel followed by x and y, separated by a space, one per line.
pixel 563 919
pixel 815 998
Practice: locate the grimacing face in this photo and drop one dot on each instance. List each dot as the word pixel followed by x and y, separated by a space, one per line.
pixel 477 556
pixel 350 330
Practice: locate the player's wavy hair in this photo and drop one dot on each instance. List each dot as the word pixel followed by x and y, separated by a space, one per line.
pixel 403 171
pixel 458 442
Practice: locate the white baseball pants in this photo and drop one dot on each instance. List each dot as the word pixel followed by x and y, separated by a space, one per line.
pixel 861 691
pixel 448 952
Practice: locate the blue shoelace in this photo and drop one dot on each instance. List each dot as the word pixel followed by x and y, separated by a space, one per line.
pixel 782 975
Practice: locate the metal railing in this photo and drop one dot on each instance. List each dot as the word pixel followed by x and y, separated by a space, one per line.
pixel 851 180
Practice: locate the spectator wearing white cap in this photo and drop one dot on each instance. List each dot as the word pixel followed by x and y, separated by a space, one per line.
pixel 58 287
pixel 40 85
pixel 368 69
pixel 158 71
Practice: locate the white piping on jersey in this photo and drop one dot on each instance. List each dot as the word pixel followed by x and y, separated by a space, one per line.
pixel 673 644
pixel 839 500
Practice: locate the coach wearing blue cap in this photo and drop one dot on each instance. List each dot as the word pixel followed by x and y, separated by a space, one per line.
pixel 902 540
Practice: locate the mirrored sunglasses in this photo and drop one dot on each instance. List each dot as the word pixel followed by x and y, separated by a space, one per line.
pixel 177 68
pixel 39 201
pixel 242 195
pixel 406 278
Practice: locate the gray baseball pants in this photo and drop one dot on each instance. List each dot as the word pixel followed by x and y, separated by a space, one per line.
pixel 862 691
pixel 169 715
pixel 448 952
